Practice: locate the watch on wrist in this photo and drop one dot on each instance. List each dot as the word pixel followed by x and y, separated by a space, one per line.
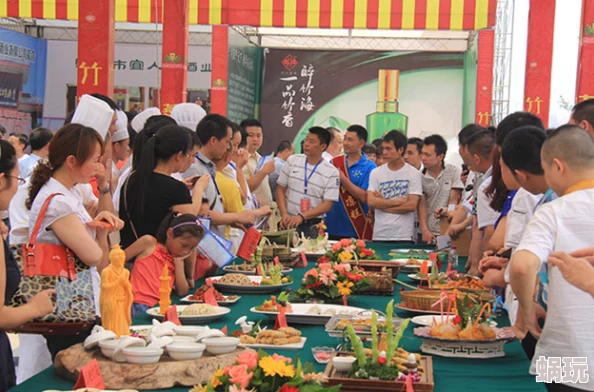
pixel 103 191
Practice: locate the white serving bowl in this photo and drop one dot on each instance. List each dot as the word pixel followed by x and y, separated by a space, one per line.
pixel 184 339
pixel 190 330
pixel 185 351
pixel 108 347
pixel 343 364
pixel 210 333
pixel 223 345
pixel 142 355
pixel 99 335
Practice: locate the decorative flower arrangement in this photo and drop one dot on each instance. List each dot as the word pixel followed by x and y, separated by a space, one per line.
pixel 348 249
pixel 258 371
pixel 331 281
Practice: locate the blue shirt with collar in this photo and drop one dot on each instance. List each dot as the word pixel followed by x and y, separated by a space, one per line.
pixel 27 165
pixel 337 221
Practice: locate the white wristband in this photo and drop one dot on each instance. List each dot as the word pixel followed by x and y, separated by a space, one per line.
pixel 451 207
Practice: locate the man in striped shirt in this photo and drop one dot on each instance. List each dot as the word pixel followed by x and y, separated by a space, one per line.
pixel 308 185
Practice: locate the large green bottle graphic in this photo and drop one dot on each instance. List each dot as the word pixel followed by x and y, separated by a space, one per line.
pixel 386 117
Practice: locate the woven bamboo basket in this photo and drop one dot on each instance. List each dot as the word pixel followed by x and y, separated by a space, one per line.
pixel 423 299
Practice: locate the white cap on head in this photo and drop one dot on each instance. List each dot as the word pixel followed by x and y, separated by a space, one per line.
pixel 122 132
pixel 188 115
pixel 140 119
pixel 94 113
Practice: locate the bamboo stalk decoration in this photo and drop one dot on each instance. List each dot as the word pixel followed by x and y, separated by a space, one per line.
pixel 374 351
pixel 357 346
pixel 485 306
pixel 390 329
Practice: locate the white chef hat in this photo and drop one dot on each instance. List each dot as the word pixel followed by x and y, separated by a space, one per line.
pixel 140 119
pixel 95 113
pixel 122 132
pixel 188 115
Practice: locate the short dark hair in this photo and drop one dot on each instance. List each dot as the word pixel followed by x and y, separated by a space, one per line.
pixel 482 143
pixel 377 142
pixel 521 149
pixel 584 111
pixel 250 122
pixel 369 148
pixel 396 137
pixel 40 138
pixel 359 130
pixel 379 151
pixel 324 135
pixel 23 139
pixel 571 144
pixel 441 146
pixel 213 125
pixel 243 142
pixel 515 121
pixel 283 146
pixel 467 132
pixel 195 138
pixel 417 142
pixel 234 127
pixel 2 130
pixel 181 224
pixel 332 131
pixel 107 100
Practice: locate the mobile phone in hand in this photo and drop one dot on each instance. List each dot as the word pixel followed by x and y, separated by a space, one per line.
pixel 195 180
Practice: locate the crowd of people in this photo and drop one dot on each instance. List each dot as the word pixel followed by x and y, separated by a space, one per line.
pixel 156 184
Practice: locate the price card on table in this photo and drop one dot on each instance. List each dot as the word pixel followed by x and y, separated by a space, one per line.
pixel 209 297
pixel 171 315
pixel 90 377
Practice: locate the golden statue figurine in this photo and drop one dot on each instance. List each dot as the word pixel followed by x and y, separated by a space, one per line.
pixel 116 297
pixel 164 291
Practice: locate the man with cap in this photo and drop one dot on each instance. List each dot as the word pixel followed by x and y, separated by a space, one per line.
pixel 188 115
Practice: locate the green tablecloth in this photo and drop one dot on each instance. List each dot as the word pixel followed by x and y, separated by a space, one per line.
pixel 509 373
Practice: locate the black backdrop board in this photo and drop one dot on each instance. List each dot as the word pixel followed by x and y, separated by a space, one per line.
pixel 299 82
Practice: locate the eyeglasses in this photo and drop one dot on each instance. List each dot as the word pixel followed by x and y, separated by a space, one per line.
pixel 19 179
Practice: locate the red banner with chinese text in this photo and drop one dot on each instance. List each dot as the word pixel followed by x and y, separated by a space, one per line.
pixel 585 75
pixel 539 58
pixel 484 77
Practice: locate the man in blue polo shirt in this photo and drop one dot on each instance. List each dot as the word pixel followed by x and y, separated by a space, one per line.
pixel 348 216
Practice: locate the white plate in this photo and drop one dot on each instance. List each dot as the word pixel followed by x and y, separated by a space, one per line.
pixel 154 312
pixel 428 320
pixel 414 277
pixel 402 263
pixel 319 252
pixel 418 311
pixel 227 301
pixel 233 288
pixel 293 346
pixel 230 269
pixel 300 316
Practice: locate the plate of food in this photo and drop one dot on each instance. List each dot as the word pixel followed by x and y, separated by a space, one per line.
pixel 313 314
pixel 411 263
pixel 244 284
pixel 198 297
pixel 288 338
pixel 248 269
pixel 194 314
pixel 408 253
pixel 361 323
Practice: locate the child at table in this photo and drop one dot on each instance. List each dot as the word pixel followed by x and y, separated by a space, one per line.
pixel 176 240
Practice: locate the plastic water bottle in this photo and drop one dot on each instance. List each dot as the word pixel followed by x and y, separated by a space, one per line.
pixel 453 258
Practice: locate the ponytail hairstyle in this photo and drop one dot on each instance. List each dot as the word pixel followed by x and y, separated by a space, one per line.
pixel 182 224
pixel 71 140
pixel 152 125
pixel 164 145
pixel 8 160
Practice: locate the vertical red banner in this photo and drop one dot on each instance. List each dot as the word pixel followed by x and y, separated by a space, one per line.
pixel 484 77
pixel 539 58
pixel 220 64
pixel 96 35
pixel 585 75
pixel 174 73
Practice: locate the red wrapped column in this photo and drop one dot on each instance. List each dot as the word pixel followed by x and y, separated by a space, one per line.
pixel 585 75
pixel 484 77
pixel 220 63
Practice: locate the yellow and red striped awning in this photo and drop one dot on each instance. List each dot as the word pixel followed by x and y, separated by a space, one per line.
pixel 357 14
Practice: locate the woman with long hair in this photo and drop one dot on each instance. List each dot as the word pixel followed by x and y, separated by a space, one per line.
pixel 38 306
pixel 74 158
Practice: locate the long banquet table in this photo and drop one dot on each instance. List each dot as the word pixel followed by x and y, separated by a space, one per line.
pixel 509 373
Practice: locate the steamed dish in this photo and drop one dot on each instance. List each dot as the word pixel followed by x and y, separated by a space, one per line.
pixel 199 310
pixel 235 279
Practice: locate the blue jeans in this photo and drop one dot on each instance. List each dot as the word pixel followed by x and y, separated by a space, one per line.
pixel 139 308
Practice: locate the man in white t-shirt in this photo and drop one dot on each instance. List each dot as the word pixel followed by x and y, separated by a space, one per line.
pixel 308 185
pixel 562 225
pixel 480 149
pixel 258 167
pixel 394 192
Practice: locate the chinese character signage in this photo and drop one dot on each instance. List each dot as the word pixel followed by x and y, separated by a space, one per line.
pixel 244 77
pixel 303 88
pixel 22 81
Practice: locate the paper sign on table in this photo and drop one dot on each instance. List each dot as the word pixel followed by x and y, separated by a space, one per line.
pixel 434 257
pixel 249 244
pixel 258 270
pixel 276 261
pixel 171 315
pixel 90 377
pixel 281 320
pixel 303 261
pixel 209 297
pixel 224 330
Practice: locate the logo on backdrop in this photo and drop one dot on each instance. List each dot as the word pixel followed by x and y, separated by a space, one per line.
pixel 289 62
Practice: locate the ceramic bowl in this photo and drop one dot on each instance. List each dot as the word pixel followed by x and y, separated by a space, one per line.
pixel 221 345
pixel 184 339
pixel 189 330
pixel 98 336
pixel 323 354
pixel 185 351
pixel 343 364
pixel 211 333
pixel 142 355
pixel 108 347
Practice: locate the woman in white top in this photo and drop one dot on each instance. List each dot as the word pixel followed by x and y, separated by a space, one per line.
pixel 73 158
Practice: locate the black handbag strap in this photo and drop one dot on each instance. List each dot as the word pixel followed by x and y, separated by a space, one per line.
pixel 126 205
